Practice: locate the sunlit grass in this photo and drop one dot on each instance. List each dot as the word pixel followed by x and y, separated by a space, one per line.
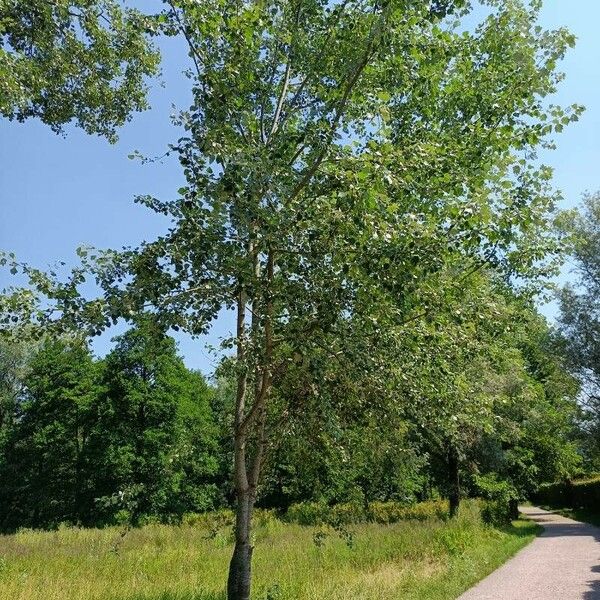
pixel 410 560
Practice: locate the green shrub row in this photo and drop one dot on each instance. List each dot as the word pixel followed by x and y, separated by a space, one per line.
pixel 494 510
pixel 314 513
pixel 580 494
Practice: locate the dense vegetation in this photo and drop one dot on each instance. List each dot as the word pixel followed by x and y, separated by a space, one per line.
pixel 362 192
pixel 581 495
pixel 416 560
pixel 137 436
pixel 580 323
pixel 89 442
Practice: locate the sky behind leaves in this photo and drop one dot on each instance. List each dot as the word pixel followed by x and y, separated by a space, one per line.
pixel 60 192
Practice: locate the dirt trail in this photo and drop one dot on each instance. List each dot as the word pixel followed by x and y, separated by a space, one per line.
pixel 563 563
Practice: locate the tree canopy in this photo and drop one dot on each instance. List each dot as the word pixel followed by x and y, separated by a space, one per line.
pixel 74 61
pixel 360 185
pixel 580 319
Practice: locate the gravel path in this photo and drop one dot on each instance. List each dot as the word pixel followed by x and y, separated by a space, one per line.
pixel 563 563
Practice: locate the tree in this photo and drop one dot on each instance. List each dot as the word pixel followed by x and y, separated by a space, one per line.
pixel 43 470
pixel 493 395
pixel 14 358
pixel 74 61
pixel 337 441
pixel 152 448
pixel 338 158
pixel 580 320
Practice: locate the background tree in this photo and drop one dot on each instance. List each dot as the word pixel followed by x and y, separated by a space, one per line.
pixel 533 439
pixel 13 367
pixel 580 320
pixel 152 450
pixel 43 471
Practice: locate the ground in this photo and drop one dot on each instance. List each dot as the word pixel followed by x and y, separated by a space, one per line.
pixel 563 563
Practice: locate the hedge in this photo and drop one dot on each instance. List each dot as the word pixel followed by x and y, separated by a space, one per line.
pixel 579 494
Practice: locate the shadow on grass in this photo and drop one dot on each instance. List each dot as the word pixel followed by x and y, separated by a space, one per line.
pixel 200 595
pixel 525 528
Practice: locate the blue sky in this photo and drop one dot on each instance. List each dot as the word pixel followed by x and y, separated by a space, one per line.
pixel 60 192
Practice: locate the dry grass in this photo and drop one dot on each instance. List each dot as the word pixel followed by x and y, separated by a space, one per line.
pixel 412 560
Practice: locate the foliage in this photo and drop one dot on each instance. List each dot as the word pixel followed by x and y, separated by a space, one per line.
pixel 500 496
pixel 43 466
pixel 74 61
pixel 14 359
pixel 580 320
pixel 533 437
pixel 577 494
pixel 313 513
pixel 153 428
pixel 124 439
pixel 331 451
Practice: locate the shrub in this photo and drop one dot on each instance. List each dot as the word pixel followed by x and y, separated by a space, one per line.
pixel 392 512
pixel 264 517
pixel 586 494
pixel 209 520
pixel 346 514
pixel 500 500
pixel 313 513
pixel 579 494
pixel 308 513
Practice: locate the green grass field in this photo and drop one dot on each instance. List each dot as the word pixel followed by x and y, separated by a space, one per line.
pixel 425 560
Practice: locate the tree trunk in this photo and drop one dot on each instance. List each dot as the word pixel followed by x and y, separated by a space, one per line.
pixel 454 476
pixel 249 425
pixel 238 582
pixel 513 508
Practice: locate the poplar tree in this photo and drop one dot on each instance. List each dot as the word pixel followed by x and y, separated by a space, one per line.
pixel 338 157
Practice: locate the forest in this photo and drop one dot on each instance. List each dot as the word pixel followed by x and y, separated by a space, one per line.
pixel 365 205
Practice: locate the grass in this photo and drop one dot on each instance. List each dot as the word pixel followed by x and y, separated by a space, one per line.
pixel 427 560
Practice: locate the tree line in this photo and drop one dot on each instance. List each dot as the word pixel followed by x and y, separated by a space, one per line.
pixel 362 191
pixel 137 437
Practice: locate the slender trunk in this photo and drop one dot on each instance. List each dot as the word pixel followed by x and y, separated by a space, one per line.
pixel 454 475
pixel 240 567
pixel 238 582
pixel 249 425
pixel 513 508
pixel 76 513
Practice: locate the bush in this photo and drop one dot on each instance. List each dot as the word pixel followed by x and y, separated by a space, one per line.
pixel 213 520
pixel 580 494
pixel 347 514
pixel 308 513
pixel 263 517
pixel 314 513
pixel 392 512
pixel 496 513
pixel 500 500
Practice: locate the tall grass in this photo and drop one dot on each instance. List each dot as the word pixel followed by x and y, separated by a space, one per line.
pixel 426 560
